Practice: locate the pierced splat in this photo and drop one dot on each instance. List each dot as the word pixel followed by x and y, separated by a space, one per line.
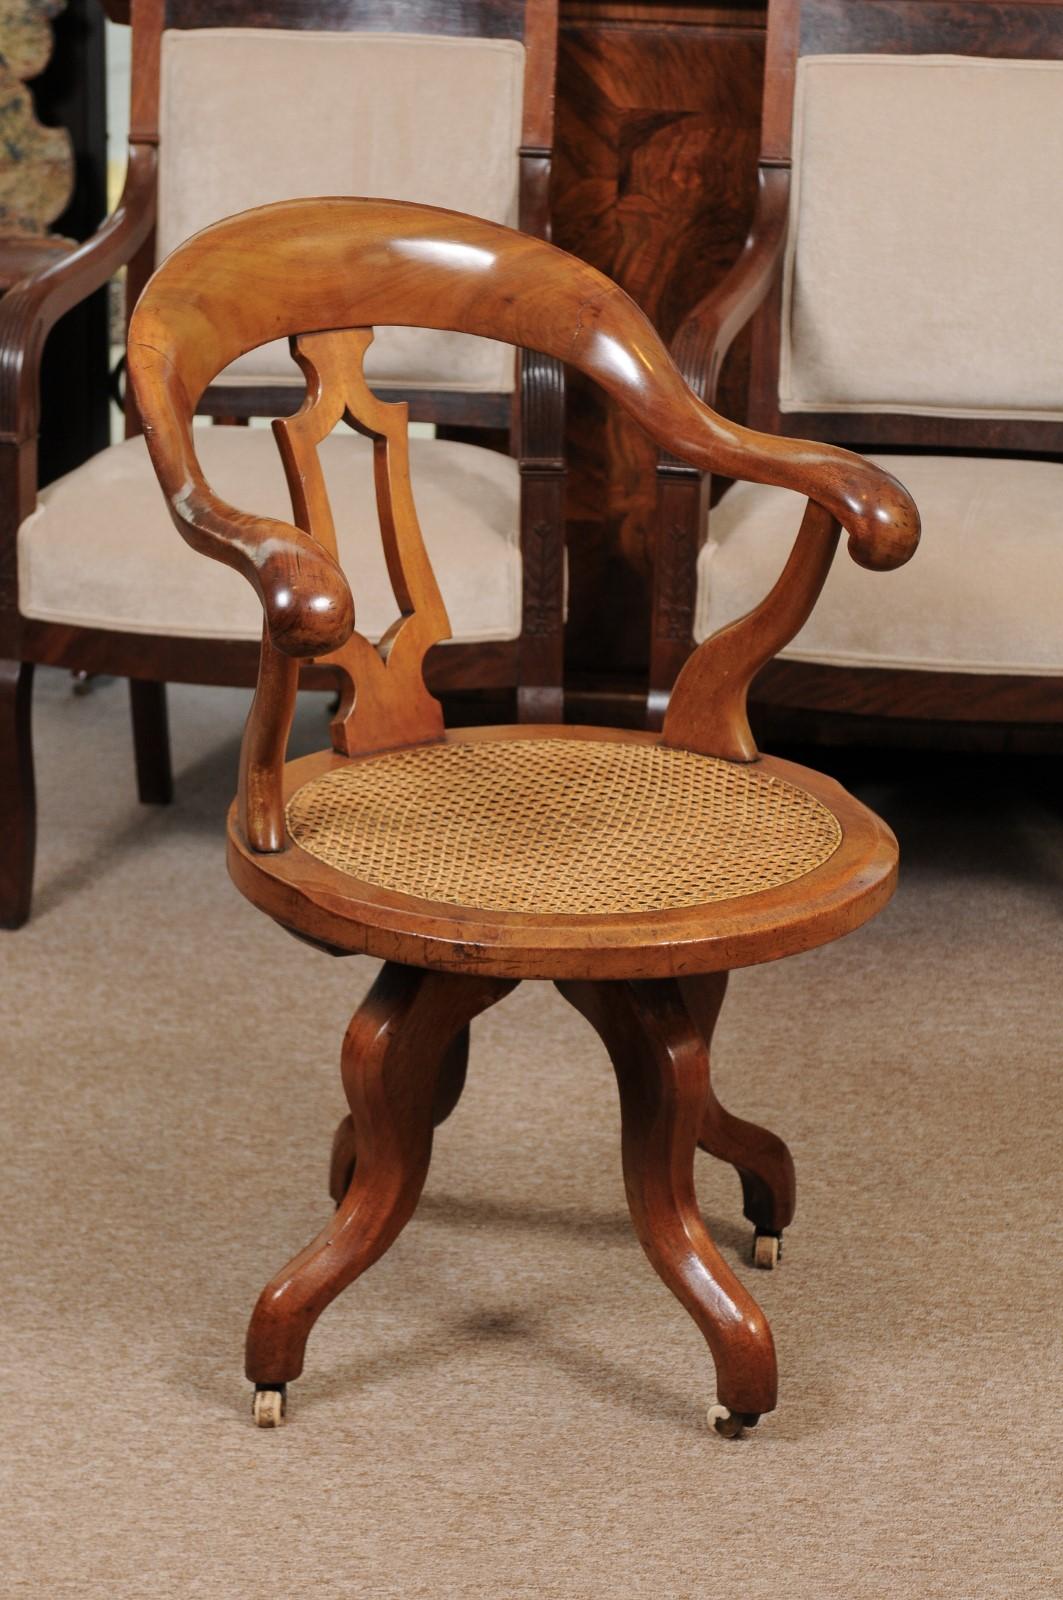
pixel 384 701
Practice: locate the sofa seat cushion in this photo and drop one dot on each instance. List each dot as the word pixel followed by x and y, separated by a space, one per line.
pixel 982 593
pixel 100 550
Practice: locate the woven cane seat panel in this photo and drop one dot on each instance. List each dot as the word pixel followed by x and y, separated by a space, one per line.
pixel 561 827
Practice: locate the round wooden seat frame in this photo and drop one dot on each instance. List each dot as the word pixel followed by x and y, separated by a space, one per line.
pixel 649 977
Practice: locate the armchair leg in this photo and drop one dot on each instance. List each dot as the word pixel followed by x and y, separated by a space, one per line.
pixel 151 741
pixel 764 1164
pixel 448 1093
pixel 662 1069
pixel 393 1057
pixel 18 796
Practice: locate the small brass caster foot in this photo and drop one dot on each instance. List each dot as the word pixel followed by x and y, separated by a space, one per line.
pixel 731 1424
pixel 269 1405
pixel 767 1250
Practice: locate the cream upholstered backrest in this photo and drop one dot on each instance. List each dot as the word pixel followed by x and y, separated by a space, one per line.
pixel 924 271
pixel 248 116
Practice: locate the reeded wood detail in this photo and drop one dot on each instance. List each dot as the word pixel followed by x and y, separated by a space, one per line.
pixel 385 701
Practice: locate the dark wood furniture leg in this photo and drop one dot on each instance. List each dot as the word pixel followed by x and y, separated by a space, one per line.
pixel 764 1165
pixel 662 1069
pixel 448 1093
pixel 393 1057
pixel 18 797
pixel 151 741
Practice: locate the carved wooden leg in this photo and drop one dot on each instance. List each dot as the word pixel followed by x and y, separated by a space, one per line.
pixel 392 1059
pixel 151 741
pixel 662 1068
pixel 18 798
pixel 448 1093
pixel 764 1165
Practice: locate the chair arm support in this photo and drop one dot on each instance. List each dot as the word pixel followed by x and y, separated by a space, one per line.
pixel 876 511
pixel 706 334
pixel 32 307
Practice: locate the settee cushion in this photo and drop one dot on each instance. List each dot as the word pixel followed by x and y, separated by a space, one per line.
pixel 982 593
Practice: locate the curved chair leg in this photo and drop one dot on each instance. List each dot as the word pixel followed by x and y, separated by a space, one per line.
pixel 448 1093
pixel 764 1165
pixel 151 741
pixel 18 796
pixel 662 1069
pixel 392 1056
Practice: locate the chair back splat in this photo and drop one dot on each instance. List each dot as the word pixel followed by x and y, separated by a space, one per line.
pixel 324 273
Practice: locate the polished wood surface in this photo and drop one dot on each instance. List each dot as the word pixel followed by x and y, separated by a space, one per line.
pixel 750 295
pixel 651 982
pixel 658 116
pixel 351 915
pixel 662 1071
pixel 392 1056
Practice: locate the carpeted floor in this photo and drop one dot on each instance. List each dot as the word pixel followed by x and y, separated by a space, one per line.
pixel 510 1404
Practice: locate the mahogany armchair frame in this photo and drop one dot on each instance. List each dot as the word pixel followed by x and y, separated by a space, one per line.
pixel 47 283
pixel 651 985
pixel 751 293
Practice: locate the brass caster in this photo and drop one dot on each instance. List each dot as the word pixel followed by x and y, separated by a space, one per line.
pixel 767 1248
pixel 731 1424
pixel 269 1405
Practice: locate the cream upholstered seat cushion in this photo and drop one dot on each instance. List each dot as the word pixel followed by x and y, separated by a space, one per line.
pixel 252 115
pixel 100 550
pixel 984 593
pixel 925 250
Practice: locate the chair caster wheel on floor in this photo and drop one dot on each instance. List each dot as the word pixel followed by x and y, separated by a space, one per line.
pixel 767 1249
pixel 730 1424
pixel 269 1405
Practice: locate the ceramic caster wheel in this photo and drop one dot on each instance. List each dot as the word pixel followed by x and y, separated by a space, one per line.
pixel 269 1406
pixel 767 1248
pixel 731 1424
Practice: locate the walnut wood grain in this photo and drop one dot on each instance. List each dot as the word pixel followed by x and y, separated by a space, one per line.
pixel 654 176
pixel 385 700
pixel 392 1057
pixel 449 1085
pixel 764 1165
pixel 662 1071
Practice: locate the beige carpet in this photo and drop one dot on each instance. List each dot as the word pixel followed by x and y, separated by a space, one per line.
pixel 510 1404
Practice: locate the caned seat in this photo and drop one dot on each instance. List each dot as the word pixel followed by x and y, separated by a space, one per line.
pixel 572 851
pixel 633 869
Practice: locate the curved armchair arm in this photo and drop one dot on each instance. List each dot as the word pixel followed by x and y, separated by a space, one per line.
pixel 706 334
pixel 33 306
pixel 305 597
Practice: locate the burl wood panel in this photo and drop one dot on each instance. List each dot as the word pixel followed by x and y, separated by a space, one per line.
pixel 658 117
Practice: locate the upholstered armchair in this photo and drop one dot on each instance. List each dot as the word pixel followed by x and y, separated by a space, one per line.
pixel 903 279
pixel 235 106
